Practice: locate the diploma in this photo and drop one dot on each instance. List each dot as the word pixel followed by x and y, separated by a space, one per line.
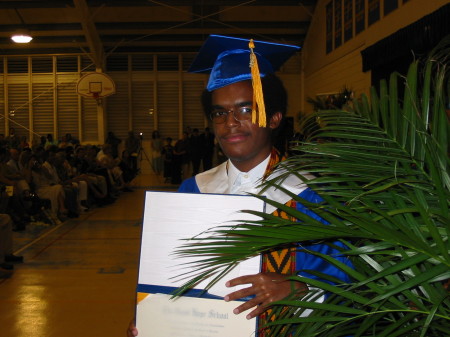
pixel 169 219
pixel 158 315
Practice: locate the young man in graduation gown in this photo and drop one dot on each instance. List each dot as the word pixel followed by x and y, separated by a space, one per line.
pixel 230 103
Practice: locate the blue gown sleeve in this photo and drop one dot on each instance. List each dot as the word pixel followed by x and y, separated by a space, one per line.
pixel 305 261
pixel 189 186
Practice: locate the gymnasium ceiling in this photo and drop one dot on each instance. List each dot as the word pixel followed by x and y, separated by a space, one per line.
pixel 102 27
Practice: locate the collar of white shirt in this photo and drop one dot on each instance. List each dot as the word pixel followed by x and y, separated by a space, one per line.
pixel 246 182
pixel 226 179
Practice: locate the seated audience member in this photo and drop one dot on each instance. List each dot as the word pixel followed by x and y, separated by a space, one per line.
pixel 35 206
pixel 69 180
pixel 20 190
pixel 70 190
pixel 94 167
pixel 12 140
pixel 50 141
pixel 70 153
pixel 41 143
pixel 47 186
pixel 63 142
pixel 26 160
pixel 115 173
pixel 121 165
pixel 14 160
pixel 72 140
pixel 23 144
pixel 79 161
pixel 6 244
pixel 91 158
pixel 13 171
pixel 97 183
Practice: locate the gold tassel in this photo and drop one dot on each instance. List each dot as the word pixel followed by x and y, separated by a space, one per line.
pixel 258 98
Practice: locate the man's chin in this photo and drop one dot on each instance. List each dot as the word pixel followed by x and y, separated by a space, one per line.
pixel 237 156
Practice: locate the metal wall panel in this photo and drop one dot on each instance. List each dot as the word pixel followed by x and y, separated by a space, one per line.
pixel 142 107
pixel 89 120
pixel 168 109
pixel 18 105
pixel 67 105
pixel 2 107
pixel 193 115
pixel 40 93
pixel 42 105
pixel 118 109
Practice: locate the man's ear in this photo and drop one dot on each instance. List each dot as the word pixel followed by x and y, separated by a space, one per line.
pixel 275 120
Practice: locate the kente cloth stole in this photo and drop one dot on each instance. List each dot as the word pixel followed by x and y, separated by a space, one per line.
pixel 279 261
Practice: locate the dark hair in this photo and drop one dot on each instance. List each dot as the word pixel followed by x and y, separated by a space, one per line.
pixel 275 96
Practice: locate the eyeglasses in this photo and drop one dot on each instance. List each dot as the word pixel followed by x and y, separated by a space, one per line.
pixel 219 116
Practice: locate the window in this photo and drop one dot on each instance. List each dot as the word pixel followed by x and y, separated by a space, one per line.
pixel 168 62
pixel 67 64
pixel 17 65
pixel 42 64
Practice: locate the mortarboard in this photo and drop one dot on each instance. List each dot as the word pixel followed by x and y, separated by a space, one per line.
pixel 230 60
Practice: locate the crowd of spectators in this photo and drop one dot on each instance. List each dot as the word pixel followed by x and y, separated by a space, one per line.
pixel 55 180
pixel 52 180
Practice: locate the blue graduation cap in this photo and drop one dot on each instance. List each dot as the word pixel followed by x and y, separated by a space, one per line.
pixel 230 60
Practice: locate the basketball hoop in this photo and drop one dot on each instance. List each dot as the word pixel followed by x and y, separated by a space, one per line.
pixel 96 85
pixel 97 98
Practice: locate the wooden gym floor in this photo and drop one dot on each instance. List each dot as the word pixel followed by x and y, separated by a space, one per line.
pixel 78 278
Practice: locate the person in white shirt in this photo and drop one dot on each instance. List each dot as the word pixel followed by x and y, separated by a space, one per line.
pixel 230 103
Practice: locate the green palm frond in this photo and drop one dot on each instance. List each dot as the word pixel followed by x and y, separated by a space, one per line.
pixel 382 170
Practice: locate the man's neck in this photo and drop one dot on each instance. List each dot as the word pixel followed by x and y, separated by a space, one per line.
pixel 247 165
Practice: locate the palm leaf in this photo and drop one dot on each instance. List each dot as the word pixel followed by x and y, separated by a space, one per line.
pixel 382 170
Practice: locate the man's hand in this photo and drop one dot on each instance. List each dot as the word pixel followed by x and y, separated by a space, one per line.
pixel 266 288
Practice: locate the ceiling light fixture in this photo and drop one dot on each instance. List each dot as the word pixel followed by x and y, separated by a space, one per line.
pixel 21 38
pixel 22 35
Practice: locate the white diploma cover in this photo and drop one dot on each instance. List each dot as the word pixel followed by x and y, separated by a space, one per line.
pixel 169 219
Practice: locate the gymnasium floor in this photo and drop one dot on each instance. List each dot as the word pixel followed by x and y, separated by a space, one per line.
pixel 78 278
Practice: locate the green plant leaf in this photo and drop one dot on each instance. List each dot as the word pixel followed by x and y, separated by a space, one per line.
pixel 382 170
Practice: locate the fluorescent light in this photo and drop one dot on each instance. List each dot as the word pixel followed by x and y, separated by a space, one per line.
pixel 21 38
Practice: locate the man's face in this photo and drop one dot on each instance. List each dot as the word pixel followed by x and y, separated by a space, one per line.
pixel 246 144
